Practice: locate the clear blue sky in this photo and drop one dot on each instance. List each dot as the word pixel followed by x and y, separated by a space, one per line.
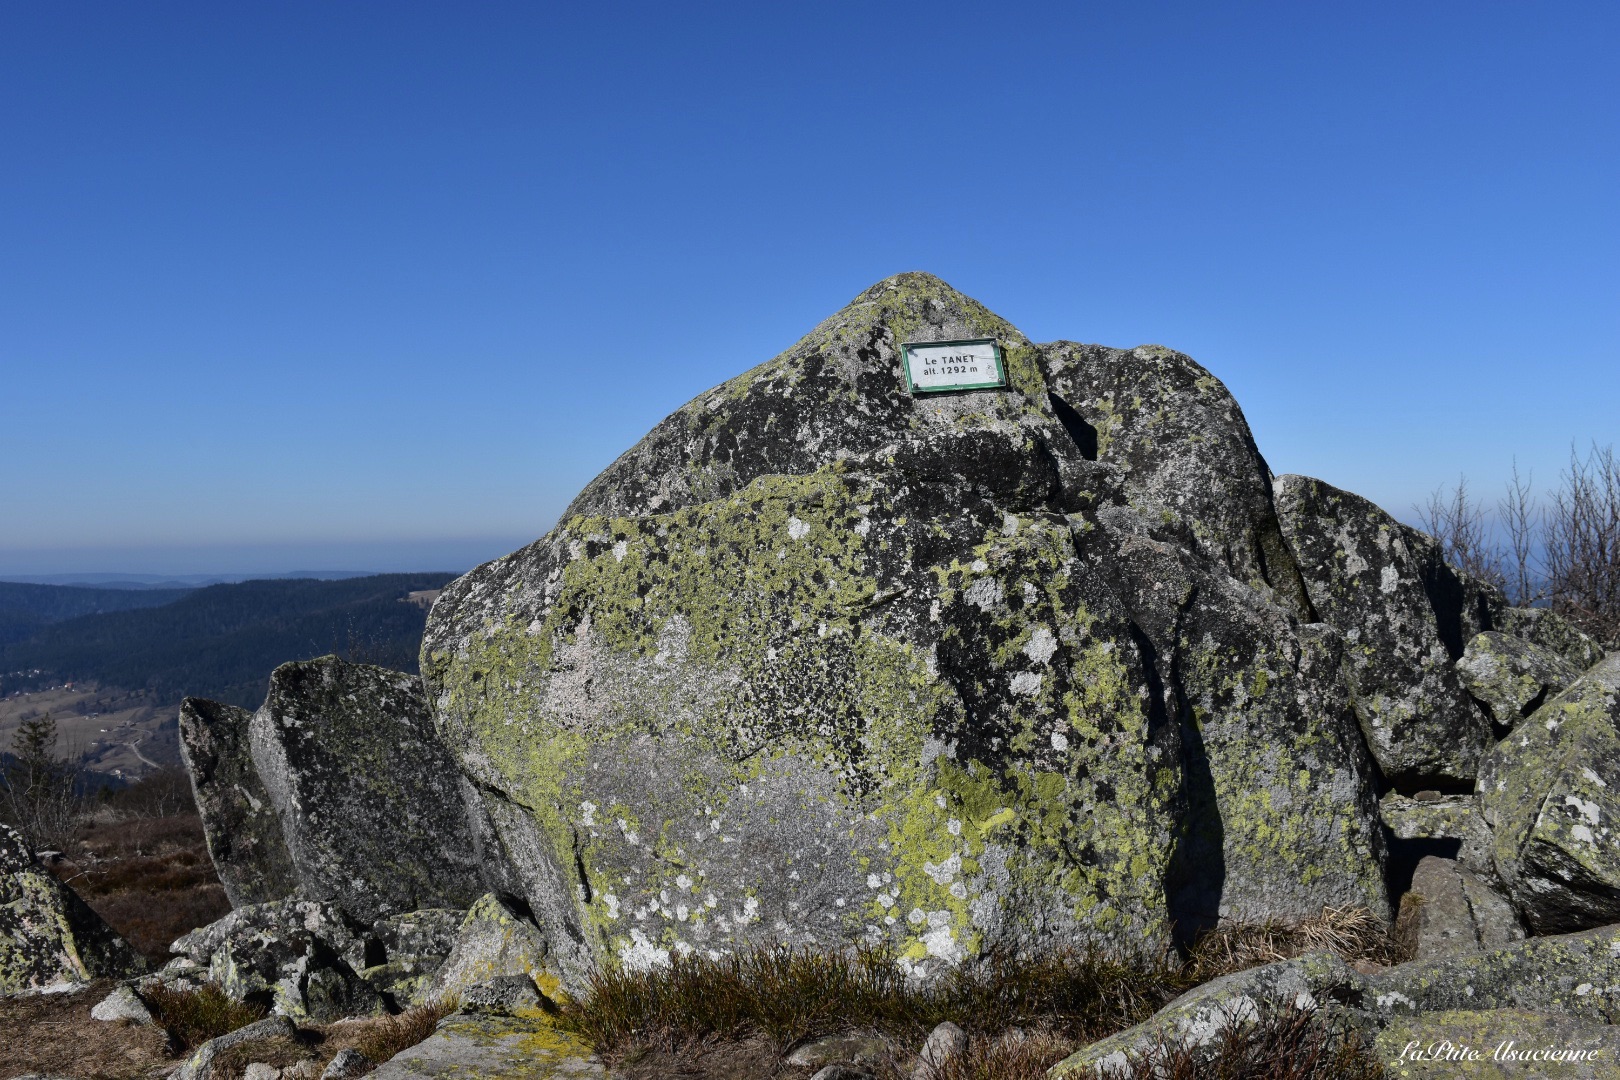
pixel 382 284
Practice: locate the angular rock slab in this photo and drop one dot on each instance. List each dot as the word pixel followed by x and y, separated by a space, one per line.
pixel 1576 975
pixel 1451 826
pixel 1459 913
pixel 50 940
pixel 1549 792
pixel 373 808
pixel 1512 676
pixel 240 824
pixel 494 940
pixel 526 1046
pixel 1366 575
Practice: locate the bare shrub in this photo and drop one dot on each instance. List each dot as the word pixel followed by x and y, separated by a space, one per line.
pixel 1461 525
pixel 1582 539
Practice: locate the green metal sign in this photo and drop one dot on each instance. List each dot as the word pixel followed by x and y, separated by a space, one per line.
pixel 935 366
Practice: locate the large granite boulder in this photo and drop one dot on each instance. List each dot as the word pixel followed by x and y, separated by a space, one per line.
pixel 49 939
pixel 1402 613
pixel 1510 676
pixel 821 661
pixel 375 814
pixel 241 826
pixel 1548 791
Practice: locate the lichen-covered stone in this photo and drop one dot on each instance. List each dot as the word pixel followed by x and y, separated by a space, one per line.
pixel 1458 912
pixel 50 940
pixel 303 958
pixel 242 830
pixel 199 1065
pixel 1280 816
pixel 494 940
pixel 496 1046
pixel 1550 630
pixel 1450 826
pixel 1511 676
pixel 1200 1016
pixel 819 661
pixel 1548 791
pixel 1183 454
pixel 1374 580
pixel 1577 975
pixel 374 811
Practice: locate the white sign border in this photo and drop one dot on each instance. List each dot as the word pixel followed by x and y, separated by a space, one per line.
pixel 995 348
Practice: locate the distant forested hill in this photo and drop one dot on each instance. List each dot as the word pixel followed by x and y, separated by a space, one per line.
pixel 25 609
pixel 223 641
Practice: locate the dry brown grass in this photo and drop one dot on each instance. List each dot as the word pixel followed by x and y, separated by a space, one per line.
pixel 53 1035
pixel 1025 1014
pixel 192 1017
pixel 382 1038
pixel 1353 933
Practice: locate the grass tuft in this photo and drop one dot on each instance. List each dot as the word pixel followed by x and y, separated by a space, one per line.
pixel 1352 933
pixel 387 1036
pixel 192 1017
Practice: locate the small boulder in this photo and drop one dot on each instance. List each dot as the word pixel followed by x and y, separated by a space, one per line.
pixel 50 940
pixel 495 939
pixel 502 994
pixel 373 808
pixel 1550 630
pixel 200 1065
pixel 1459 912
pixel 1198 1017
pixel 849 1048
pixel 1511 676
pixel 122 1004
pixel 347 1065
pixel 944 1044
pixel 240 824
pixel 1548 791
